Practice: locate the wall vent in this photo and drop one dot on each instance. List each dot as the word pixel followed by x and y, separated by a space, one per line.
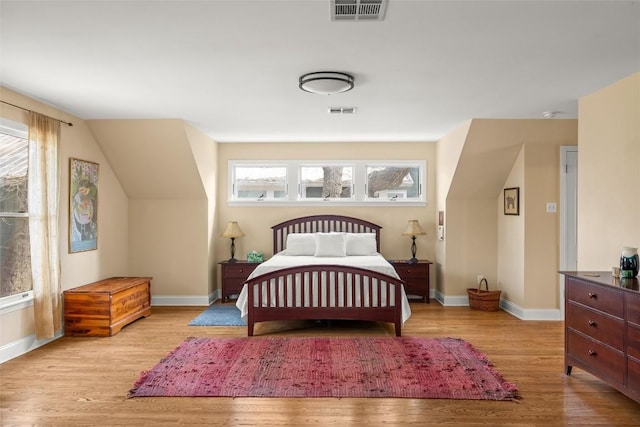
pixel 342 110
pixel 358 10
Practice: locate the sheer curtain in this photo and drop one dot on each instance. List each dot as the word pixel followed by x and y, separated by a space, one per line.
pixel 43 224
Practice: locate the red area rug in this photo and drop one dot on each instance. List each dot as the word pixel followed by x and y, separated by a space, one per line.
pixel 422 368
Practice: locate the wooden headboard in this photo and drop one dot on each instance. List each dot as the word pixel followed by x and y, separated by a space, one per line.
pixel 322 224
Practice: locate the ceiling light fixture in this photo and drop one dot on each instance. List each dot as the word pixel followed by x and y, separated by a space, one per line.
pixel 550 114
pixel 326 82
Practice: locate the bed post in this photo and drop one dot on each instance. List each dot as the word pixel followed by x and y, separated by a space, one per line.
pixel 250 300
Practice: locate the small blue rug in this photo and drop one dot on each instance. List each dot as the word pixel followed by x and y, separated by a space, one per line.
pixel 219 315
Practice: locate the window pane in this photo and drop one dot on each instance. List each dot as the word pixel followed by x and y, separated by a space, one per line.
pixel 326 181
pixel 15 260
pixel 260 182
pixel 15 257
pixel 393 182
pixel 14 153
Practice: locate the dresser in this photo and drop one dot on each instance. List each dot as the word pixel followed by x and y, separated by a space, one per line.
pixel 102 308
pixel 233 275
pixel 602 328
pixel 415 276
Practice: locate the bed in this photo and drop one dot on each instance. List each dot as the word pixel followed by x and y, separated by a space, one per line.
pixel 325 267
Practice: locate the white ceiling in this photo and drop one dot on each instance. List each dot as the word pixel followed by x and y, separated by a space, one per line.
pixel 231 68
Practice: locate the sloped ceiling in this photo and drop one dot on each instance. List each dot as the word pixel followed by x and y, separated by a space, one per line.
pixel 152 159
pixel 491 148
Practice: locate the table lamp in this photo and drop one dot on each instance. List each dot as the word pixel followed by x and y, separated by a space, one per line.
pixel 413 229
pixel 232 231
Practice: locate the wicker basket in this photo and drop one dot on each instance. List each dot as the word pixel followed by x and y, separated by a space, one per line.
pixel 484 300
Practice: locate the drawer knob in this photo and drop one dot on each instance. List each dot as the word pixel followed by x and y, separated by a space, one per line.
pixel 593 296
pixel 592 323
pixel 592 353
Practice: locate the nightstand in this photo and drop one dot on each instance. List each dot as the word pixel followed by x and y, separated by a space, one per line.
pixel 233 276
pixel 415 276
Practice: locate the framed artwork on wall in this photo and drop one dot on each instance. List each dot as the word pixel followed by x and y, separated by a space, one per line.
pixel 512 201
pixel 83 205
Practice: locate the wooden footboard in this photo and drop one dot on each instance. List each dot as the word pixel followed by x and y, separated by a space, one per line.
pixel 325 292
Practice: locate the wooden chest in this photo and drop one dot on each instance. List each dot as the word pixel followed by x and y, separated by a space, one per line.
pixel 102 308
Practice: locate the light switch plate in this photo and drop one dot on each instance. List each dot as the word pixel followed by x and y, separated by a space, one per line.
pixel 552 207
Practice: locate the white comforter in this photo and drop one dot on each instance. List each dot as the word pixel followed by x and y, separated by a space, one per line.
pixel 277 262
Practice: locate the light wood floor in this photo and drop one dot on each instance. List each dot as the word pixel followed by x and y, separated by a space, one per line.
pixel 84 381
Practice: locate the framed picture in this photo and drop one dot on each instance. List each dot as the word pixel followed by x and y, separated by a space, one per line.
pixel 512 201
pixel 83 205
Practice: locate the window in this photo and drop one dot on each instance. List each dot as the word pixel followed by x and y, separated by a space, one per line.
pixel 15 260
pixel 259 182
pixel 311 182
pixel 326 182
pixel 393 182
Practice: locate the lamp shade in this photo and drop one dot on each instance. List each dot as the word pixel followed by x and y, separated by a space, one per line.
pixel 232 230
pixel 413 229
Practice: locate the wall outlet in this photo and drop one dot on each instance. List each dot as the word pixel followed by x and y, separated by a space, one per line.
pixel 480 277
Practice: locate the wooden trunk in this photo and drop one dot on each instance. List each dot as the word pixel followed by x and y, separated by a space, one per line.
pixel 101 309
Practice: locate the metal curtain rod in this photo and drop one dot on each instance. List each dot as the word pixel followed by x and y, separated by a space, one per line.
pixel 31 111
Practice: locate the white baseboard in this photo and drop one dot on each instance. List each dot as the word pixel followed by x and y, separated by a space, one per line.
pixel 24 345
pixel 530 313
pixel 178 300
pixel 508 306
pixel 452 301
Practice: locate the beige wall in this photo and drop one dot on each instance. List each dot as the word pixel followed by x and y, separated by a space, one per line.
pixel 256 221
pixel 169 172
pixel 608 174
pixel 448 151
pixel 471 246
pixel 541 228
pixel 169 242
pixel 517 254
pixel 205 153
pixel 528 244
pixel 112 256
pixel 511 238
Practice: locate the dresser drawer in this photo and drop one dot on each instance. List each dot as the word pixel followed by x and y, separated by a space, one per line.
pixel 633 376
pixel 601 360
pixel 590 322
pixel 239 271
pixel 599 297
pixel 233 285
pixel 412 272
pixel 633 341
pixel 633 308
pixel 414 288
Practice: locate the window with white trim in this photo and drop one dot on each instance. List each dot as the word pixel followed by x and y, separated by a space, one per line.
pixel 15 259
pixel 259 182
pixel 326 182
pixel 393 182
pixel 311 182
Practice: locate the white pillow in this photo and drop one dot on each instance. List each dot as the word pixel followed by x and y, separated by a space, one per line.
pixel 361 244
pixel 299 244
pixel 331 245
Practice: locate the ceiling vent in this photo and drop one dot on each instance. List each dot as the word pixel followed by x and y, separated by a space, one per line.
pixel 358 10
pixel 342 110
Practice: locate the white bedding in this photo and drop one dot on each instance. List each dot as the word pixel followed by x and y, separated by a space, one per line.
pixel 277 262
